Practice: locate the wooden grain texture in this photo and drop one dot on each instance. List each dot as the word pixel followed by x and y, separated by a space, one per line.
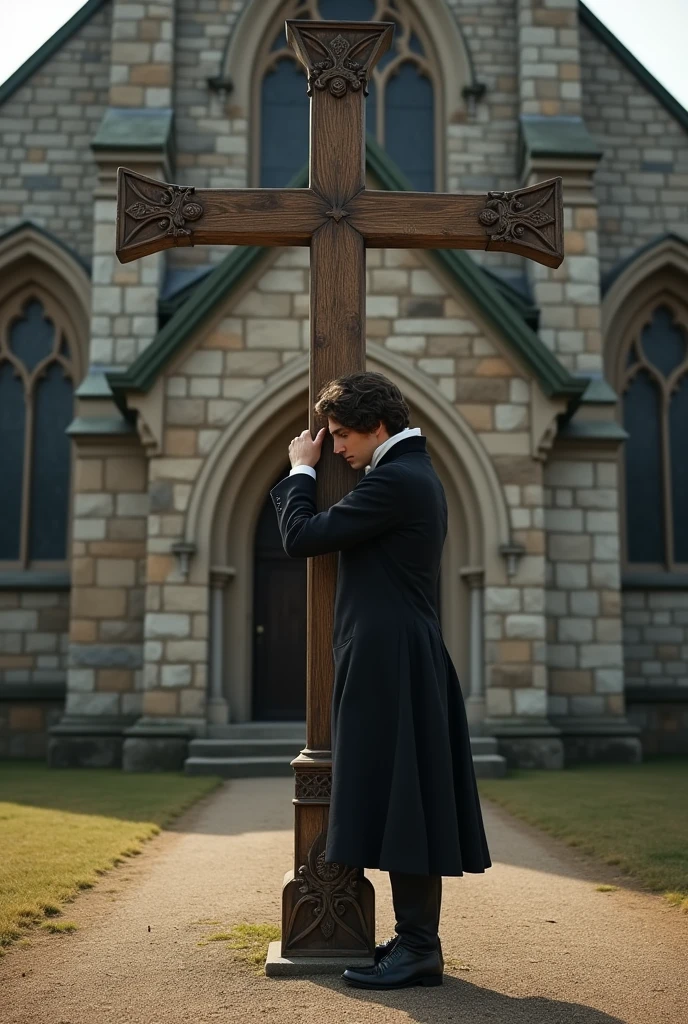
pixel 153 216
pixel 337 347
pixel 526 221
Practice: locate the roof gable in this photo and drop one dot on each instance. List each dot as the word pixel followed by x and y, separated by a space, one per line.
pixel 554 379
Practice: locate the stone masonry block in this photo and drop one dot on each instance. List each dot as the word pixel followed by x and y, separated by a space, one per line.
pixel 176 675
pixel 167 625
pixel 526 627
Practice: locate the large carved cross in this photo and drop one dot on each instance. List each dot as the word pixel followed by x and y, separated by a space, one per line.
pixel 329 909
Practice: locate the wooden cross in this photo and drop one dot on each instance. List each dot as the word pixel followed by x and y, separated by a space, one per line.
pixel 329 909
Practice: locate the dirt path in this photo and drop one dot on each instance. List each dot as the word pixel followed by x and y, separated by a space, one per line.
pixel 537 943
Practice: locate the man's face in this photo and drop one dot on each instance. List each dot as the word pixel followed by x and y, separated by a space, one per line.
pixel 352 445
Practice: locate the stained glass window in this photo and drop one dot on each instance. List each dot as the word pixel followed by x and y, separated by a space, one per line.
pixel 36 407
pixel 400 109
pixel 655 406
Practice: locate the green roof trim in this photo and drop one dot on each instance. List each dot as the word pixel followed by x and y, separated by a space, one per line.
pixel 669 102
pixel 100 426
pixel 134 128
pixel 143 372
pixel 557 136
pixel 599 392
pixel 592 430
pixel 49 48
pixel 555 379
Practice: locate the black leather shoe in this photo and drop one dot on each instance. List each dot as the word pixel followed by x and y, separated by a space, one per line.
pixel 383 948
pixel 399 969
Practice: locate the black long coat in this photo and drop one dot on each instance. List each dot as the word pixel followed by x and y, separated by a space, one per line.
pixel 404 796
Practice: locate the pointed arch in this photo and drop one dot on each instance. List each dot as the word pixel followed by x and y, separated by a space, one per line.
pixel 44 320
pixel 29 255
pixel 446 64
pixel 645 316
pixel 230 491
pixel 269 415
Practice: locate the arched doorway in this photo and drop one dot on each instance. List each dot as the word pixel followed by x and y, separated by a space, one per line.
pixel 231 493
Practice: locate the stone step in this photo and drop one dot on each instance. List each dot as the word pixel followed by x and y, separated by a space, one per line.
pixel 483 745
pixel 258 730
pixel 255 746
pixel 238 767
pixel 489 766
pixel 252 759
pixel 258 747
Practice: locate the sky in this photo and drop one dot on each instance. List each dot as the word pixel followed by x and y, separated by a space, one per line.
pixel 656 33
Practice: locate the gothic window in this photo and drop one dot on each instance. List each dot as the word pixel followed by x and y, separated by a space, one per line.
pixel 401 108
pixel 36 407
pixel 655 415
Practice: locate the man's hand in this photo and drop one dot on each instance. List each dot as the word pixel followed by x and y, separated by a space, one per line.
pixel 303 451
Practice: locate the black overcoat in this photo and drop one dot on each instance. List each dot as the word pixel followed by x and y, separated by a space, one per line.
pixel 404 796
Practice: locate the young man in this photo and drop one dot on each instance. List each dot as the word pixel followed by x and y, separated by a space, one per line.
pixel 404 797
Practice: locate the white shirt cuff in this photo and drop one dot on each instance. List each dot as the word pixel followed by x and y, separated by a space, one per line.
pixel 303 469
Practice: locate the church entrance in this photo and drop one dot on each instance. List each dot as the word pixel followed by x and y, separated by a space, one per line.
pixel 279 624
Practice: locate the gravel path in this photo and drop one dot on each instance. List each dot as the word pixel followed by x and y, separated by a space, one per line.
pixel 533 941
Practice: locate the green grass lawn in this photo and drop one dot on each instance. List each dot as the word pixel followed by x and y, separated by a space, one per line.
pixel 61 829
pixel 632 816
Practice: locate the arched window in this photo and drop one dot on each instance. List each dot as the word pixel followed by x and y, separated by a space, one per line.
pixel 36 407
pixel 401 109
pixel 654 388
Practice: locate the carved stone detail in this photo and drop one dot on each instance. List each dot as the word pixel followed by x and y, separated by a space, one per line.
pixel 167 207
pixel 330 899
pixel 517 216
pixel 313 786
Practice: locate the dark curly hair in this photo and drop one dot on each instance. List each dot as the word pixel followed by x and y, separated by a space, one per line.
pixel 360 401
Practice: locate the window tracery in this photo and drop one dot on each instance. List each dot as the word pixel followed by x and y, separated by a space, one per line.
pixel 654 389
pixel 37 374
pixel 401 108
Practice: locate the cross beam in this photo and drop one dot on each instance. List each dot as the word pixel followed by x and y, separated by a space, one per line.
pixel 329 909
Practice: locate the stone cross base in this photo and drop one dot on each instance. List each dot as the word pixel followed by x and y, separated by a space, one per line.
pixel 277 966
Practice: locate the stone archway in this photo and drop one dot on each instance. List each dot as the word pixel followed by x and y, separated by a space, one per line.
pixel 231 491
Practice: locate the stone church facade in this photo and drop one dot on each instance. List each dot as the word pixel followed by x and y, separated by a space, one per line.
pixel 146 409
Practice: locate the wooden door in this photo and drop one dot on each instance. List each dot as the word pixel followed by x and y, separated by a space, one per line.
pixel 279 625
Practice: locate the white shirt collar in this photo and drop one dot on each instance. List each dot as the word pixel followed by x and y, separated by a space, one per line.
pixel 386 445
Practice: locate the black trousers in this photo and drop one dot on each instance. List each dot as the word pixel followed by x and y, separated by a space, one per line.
pixel 417 902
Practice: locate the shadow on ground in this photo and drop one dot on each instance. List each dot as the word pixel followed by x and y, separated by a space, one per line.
pixel 459 1000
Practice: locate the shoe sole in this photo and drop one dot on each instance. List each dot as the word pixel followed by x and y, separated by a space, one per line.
pixel 429 981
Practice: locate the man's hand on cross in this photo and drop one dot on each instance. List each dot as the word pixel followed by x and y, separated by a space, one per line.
pixel 303 451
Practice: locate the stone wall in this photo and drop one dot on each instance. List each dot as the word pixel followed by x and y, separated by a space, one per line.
pixel 584 651
pixel 24 726
pixel 47 171
pixel 33 636
pixel 549 70
pixel 482 148
pixel 515 625
pixel 33 656
pixel 656 638
pixel 109 530
pixel 642 181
